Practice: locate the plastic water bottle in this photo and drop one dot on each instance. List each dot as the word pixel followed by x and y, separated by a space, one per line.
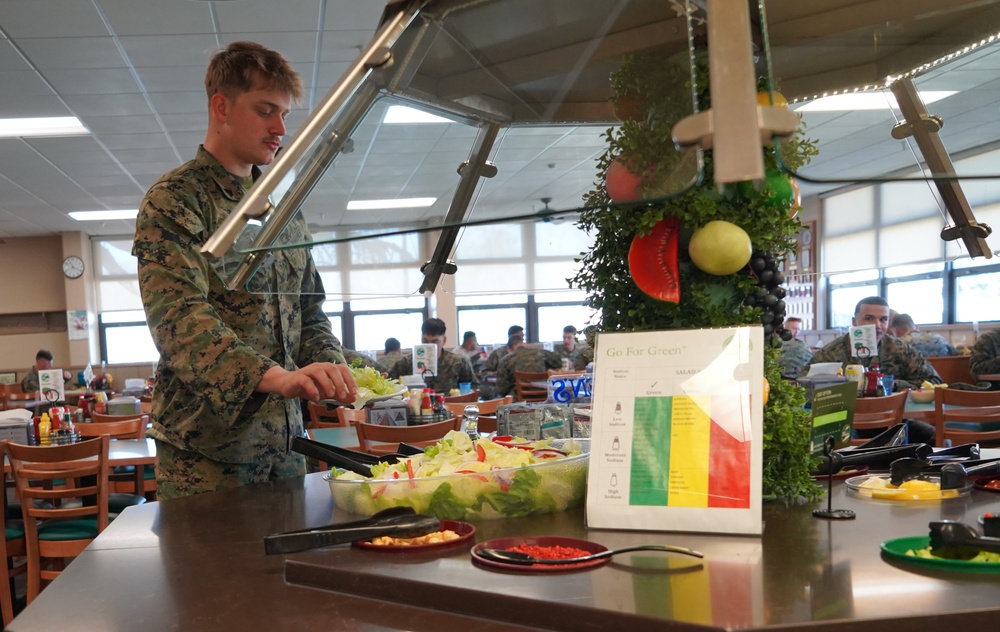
pixel 470 421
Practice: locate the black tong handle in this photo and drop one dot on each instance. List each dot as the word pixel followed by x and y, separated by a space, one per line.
pixel 357 462
pixel 403 523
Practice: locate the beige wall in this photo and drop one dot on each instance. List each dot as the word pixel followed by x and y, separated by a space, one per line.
pixel 31 281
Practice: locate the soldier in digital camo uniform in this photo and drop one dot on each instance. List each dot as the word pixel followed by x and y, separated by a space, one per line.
pixel 930 345
pixel 523 358
pixel 985 358
pixel 489 372
pixel 894 357
pixel 452 369
pixel 233 364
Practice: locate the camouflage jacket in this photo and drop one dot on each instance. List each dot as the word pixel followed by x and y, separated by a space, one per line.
pixel 493 361
pixel 895 357
pixel 985 358
pixel 29 383
pixel 560 351
pixel 524 359
pixel 216 344
pixel 389 360
pixel 452 370
pixel 929 345
pixel 794 355
pixel 583 358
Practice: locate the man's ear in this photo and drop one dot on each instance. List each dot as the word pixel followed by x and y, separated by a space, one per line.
pixel 219 106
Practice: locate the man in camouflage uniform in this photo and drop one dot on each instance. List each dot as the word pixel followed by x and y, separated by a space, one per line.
pixel 489 372
pixel 794 353
pixel 985 358
pixel 523 358
pixel 233 364
pixel 452 369
pixel 928 344
pixel 894 357
pixel 392 353
pixel 586 352
pixel 569 349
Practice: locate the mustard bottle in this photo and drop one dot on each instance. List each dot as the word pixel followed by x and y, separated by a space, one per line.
pixel 44 429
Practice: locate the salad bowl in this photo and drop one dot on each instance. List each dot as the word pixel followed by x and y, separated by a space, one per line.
pixel 552 485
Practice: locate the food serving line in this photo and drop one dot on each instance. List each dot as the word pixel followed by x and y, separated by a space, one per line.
pixel 198 563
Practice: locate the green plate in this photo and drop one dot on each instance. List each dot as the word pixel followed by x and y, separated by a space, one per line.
pixel 898 547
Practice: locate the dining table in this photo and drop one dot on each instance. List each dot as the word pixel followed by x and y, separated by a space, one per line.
pixel 198 563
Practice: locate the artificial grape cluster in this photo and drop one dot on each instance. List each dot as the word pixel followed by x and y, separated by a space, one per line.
pixel 769 295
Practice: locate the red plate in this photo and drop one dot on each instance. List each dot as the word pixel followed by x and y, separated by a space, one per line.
pixel 464 530
pixel 544 540
pixel 982 482
pixel 844 474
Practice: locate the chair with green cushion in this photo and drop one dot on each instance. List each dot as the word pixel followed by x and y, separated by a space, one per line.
pixel 123 479
pixel 13 546
pixel 63 530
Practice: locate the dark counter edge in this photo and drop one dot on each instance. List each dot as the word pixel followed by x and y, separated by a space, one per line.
pixel 553 615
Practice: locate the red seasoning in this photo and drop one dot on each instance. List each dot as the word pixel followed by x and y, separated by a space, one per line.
pixel 549 552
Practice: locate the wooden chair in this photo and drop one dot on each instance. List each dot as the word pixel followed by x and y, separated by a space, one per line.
pixel 100 418
pixel 320 416
pixel 525 390
pixel 134 480
pixel 11 546
pixel 878 413
pixel 422 436
pixel 953 369
pixel 978 412
pixel 471 396
pixel 54 532
pixel 488 407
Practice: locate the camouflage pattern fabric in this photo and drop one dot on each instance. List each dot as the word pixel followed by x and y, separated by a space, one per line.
pixel 985 358
pixel 794 355
pixel 215 344
pixel 895 357
pixel 524 359
pixel 583 358
pixel 29 383
pixel 452 369
pixel 561 351
pixel 390 359
pixel 929 345
pixel 493 361
pixel 351 355
pixel 183 473
pixel 475 358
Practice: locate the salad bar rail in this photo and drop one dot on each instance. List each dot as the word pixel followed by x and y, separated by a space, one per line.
pixel 199 563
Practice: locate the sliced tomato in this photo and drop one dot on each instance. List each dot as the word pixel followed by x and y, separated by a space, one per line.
pixel 480 453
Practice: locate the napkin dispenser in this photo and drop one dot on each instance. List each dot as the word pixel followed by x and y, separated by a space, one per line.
pixel 124 406
pixel 16 426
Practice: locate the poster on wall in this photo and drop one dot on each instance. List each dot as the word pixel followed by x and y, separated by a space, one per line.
pixel 76 324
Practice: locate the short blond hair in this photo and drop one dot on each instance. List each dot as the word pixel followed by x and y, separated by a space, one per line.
pixel 244 66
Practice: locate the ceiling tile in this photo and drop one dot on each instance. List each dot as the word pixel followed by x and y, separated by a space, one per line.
pixel 10 59
pixel 87 105
pixel 27 105
pixel 169 50
pixel 295 46
pixel 92 81
pixel 287 15
pixel 170 78
pixel 21 82
pixel 132 141
pixel 155 17
pixel 52 18
pixel 46 53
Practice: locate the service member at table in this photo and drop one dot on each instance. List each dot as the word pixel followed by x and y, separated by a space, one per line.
pixel 233 363
pixel 452 369
pixel 985 358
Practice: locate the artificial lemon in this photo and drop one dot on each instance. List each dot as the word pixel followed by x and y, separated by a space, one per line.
pixel 764 98
pixel 720 248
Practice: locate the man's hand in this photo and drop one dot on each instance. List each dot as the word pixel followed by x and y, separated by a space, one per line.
pixel 320 380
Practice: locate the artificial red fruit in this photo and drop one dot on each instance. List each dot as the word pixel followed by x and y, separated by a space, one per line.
pixel 652 261
pixel 622 185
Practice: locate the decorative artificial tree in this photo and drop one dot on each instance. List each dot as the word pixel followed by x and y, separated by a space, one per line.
pixel 704 257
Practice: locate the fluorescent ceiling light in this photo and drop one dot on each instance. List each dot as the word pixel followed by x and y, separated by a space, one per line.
pixel 85 216
pixel 369 205
pixel 51 126
pixel 402 114
pixel 866 101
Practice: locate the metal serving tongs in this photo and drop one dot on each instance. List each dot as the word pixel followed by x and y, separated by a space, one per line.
pixel 959 541
pixel 953 475
pixel 401 522
pixel 357 462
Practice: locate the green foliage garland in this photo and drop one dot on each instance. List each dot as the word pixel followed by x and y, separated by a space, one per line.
pixel 662 88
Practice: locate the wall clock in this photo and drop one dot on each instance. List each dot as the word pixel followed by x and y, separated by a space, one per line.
pixel 73 267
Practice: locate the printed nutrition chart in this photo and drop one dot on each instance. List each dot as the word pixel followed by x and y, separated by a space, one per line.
pixel 677 429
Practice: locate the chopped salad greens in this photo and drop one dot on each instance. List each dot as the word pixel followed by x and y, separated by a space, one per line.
pixel 371 384
pixel 460 478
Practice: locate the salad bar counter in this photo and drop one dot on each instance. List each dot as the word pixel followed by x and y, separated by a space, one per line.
pixel 198 563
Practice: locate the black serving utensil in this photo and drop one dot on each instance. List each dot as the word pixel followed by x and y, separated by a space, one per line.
pixel 874 458
pixel 892 436
pixel 966 451
pixel 953 475
pixel 516 557
pixel 401 522
pixel 357 462
pixel 959 541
